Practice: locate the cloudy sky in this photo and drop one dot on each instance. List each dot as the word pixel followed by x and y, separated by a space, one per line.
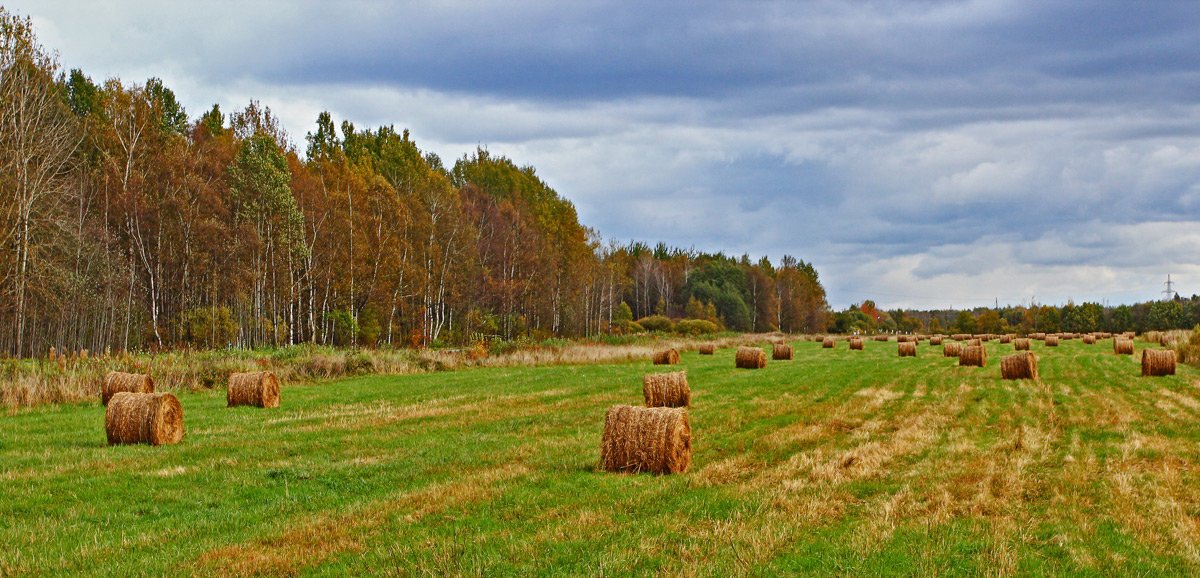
pixel 920 153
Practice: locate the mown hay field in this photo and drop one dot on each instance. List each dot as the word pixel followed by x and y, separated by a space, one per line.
pixel 835 462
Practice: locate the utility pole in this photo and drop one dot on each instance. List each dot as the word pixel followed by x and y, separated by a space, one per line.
pixel 1168 293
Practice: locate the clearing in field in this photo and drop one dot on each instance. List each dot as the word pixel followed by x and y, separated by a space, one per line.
pixel 835 462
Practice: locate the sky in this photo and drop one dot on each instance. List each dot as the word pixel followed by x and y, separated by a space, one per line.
pixel 920 153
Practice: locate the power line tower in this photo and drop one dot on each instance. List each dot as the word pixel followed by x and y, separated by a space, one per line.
pixel 1168 293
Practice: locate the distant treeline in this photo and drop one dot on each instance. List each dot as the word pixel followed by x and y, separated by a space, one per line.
pixel 1177 313
pixel 125 224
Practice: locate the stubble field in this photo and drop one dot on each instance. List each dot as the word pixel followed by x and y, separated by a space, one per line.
pixel 836 462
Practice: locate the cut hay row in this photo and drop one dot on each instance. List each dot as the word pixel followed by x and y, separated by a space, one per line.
pixel 1157 362
pixel 781 351
pixel 143 418
pixel 259 389
pixel 1019 366
pixel 973 356
pixel 751 358
pixel 118 381
pixel 907 349
pixel 668 357
pixel 666 389
pixel 646 439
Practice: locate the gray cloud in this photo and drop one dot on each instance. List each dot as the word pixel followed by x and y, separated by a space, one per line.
pixel 919 152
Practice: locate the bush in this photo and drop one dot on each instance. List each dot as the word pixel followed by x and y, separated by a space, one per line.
pixel 625 328
pixel 209 327
pixel 696 327
pixel 656 323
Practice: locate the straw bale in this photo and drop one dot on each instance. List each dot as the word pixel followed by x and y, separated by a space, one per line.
pixel 781 351
pixel 907 349
pixel 258 388
pixel 856 343
pixel 708 349
pixel 951 349
pixel 1122 346
pixel 118 381
pixel 751 358
pixel 646 439
pixel 935 340
pixel 668 357
pixel 1021 344
pixel 1089 339
pixel 1051 341
pixel 143 418
pixel 666 389
pixel 973 355
pixel 1019 366
pixel 828 342
pixel 1158 362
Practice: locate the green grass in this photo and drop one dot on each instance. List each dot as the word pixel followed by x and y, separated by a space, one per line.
pixel 837 462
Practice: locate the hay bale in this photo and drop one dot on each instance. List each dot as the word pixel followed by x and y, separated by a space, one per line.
pixel 1122 346
pixel 1158 362
pixel 828 342
pixel 646 439
pixel 907 349
pixel 118 381
pixel 708 349
pixel 781 351
pixel 935 340
pixel 1021 344
pixel 143 418
pixel 1089 339
pixel 952 349
pixel 666 389
pixel 1051 341
pixel 974 342
pixel 1037 336
pixel 1019 366
pixel 751 358
pixel 258 388
pixel 973 356
pixel 856 343
pixel 1006 339
pixel 668 357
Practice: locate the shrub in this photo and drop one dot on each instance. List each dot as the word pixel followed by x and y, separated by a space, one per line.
pixel 656 323
pixel 696 327
pixel 209 327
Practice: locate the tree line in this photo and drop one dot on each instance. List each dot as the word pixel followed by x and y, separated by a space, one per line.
pixel 126 224
pixel 1176 313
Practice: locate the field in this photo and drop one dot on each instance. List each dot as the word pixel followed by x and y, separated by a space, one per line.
pixel 837 462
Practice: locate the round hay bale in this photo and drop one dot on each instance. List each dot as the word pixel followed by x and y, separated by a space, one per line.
pixel 1122 346
pixel 935 340
pixel 1089 339
pixel 1019 366
pixel 708 349
pixel 1021 344
pixel 258 388
pixel 1006 339
pixel 828 343
pixel 666 389
pixel 1051 341
pixel 1037 336
pixel 646 439
pixel 952 349
pixel 118 381
pixel 781 351
pixel 668 357
pixel 856 343
pixel 973 356
pixel 974 342
pixel 143 418
pixel 907 349
pixel 751 358
pixel 1158 362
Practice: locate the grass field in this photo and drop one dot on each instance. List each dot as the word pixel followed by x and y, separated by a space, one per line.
pixel 837 462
